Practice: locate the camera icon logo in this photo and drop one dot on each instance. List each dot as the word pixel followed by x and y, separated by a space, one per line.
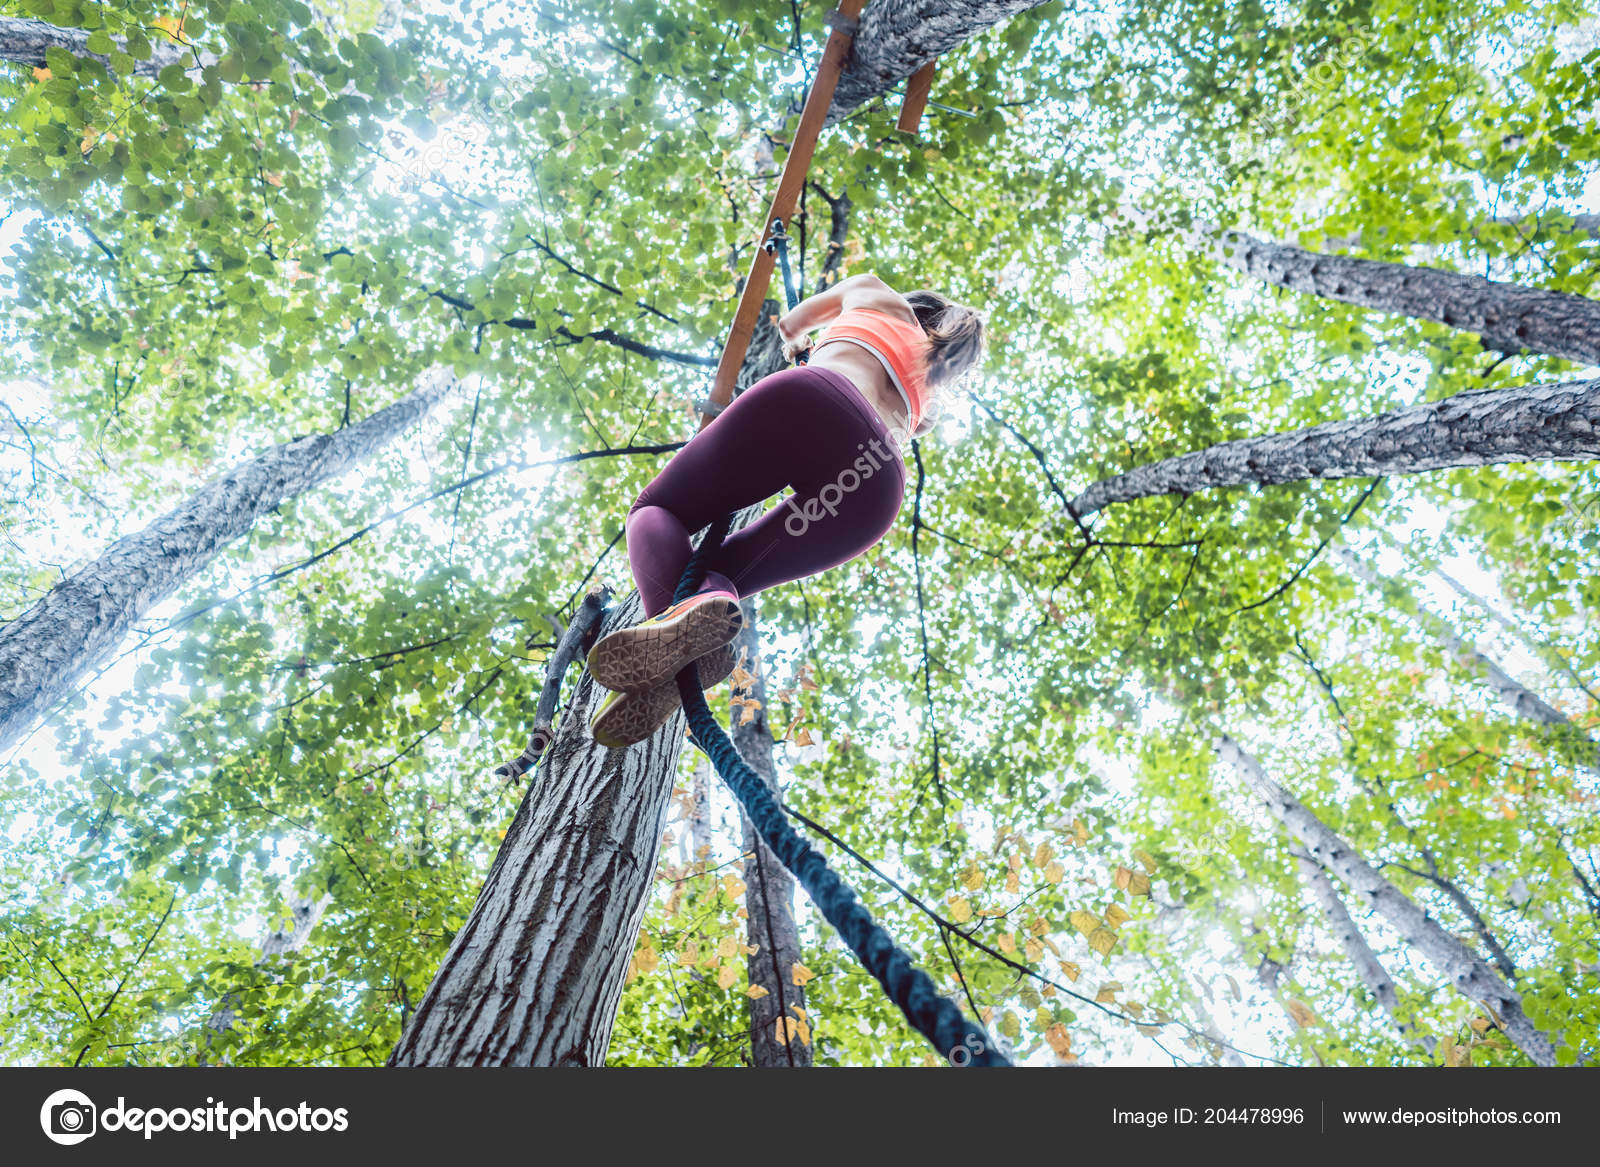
pixel 67 1117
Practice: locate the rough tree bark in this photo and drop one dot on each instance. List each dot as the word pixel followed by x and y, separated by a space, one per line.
pixel 23 42
pixel 1528 423
pixel 1464 969
pixel 1367 965
pixel 1509 317
pixel 534 975
pixel 898 37
pixel 769 888
pixel 77 623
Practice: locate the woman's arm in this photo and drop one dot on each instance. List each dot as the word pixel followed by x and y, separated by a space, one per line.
pixel 815 311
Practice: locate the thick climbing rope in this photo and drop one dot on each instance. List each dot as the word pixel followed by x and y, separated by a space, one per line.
pixel 936 1018
pixel 955 1038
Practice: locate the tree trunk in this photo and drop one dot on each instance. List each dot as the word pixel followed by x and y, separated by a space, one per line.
pixel 533 976
pixel 898 37
pixel 769 890
pixel 1529 423
pixel 304 915
pixel 1509 317
pixel 1522 701
pixel 700 817
pixel 1367 965
pixel 77 624
pixel 1463 968
pixel 1548 651
pixel 24 42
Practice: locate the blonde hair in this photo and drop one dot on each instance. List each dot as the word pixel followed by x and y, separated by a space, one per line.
pixel 957 333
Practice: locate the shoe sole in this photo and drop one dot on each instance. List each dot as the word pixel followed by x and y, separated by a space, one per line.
pixel 634 716
pixel 633 660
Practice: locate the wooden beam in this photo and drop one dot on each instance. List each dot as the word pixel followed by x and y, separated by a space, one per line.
pixel 917 90
pixel 795 165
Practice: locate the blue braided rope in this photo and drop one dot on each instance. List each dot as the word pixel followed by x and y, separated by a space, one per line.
pixel 957 1039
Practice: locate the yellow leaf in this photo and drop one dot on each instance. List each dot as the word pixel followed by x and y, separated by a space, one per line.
pixel 1133 1009
pixel 972 878
pixel 1034 948
pixel 755 992
pixel 743 678
pixel 691 955
pixel 273 178
pixel 1139 884
pixel 800 974
pixel 1059 1039
pixel 1069 970
pixel 1146 860
pixel 1080 832
pixel 1106 994
pixel 1121 877
pixel 726 947
pixel 1013 884
pixel 172 26
pixel 748 714
pixel 1479 1025
pixel 1038 925
pixel 790 1027
pixel 646 959
pixel 1302 1014
pixel 1103 940
pixel 960 910
pixel 1014 861
pixel 727 976
pixel 1085 922
pixel 1053 872
pixel 733 885
pixel 1117 915
pixel 803 738
pixel 1007 944
pixel 40 73
pixel 1042 854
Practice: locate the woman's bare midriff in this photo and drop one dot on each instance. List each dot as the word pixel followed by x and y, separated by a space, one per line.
pixel 867 375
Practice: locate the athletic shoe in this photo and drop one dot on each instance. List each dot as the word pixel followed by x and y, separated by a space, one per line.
pixel 627 717
pixel 650 654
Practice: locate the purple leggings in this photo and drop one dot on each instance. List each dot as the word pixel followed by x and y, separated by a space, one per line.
pixel 803 427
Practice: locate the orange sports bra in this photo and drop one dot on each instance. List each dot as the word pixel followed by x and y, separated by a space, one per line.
pixel 900 346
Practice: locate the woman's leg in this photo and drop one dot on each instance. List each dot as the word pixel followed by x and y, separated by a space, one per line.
pixel 802 427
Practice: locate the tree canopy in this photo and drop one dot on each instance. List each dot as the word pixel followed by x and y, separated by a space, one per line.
pixel 1010 709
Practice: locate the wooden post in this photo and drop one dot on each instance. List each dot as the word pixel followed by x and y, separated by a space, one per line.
pixel 793 178
pixel 917 90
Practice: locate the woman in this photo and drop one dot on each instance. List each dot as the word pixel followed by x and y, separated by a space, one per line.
pixel 831 429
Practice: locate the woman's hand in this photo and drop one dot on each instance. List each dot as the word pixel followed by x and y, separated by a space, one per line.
pixel 794 343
